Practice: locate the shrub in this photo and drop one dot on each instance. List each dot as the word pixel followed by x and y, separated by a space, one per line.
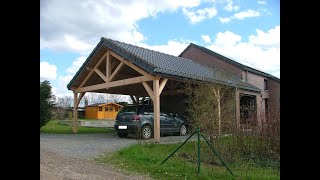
pixel 46 102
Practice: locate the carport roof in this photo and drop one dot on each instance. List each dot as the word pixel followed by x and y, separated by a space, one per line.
pixel 165 65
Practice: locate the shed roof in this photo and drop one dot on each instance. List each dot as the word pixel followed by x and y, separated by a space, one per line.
pixel 165 65
pixel 102 104
pixel 233 62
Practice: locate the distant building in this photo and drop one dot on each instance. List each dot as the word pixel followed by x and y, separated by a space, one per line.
pixel 254 107
pixel 103 110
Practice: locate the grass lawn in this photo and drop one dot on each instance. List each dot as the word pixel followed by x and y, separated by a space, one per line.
pixel 146 159
pixel 53 127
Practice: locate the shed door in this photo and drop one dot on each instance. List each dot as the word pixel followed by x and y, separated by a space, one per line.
pixel 107 112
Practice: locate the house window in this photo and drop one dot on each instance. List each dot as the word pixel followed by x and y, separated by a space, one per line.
pixel 106 109
pixel 116 109
pixel 265 84
pixel 110 109
pixel 100 108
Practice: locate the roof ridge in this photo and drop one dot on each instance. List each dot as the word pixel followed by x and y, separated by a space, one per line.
pixel 148 49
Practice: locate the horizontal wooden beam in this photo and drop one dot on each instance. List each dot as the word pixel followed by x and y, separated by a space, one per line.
pixel 122 82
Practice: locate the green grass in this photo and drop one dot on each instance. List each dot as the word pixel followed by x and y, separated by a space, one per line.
pixel 146 159
pixel 53 127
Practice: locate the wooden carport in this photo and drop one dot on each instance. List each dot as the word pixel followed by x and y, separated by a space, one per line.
pixel 118 68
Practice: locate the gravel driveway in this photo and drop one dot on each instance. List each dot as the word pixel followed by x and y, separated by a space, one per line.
pixel 70 156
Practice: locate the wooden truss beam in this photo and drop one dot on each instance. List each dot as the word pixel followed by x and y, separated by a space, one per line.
pixel 95 67
pixel 136 68
pixel 122 82
pixel 116 71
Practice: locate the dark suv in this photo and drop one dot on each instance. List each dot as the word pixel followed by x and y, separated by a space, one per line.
pixel 138 120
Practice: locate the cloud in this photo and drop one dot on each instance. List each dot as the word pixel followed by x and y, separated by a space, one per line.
pixel 227 39
pixel 245 14
pixel 225 19
pixel 200 14
pixel 261 51
pixel 173 47
pixel 242 15
pixel 262 2
pixel 268 39
pixel 60 86
pixel 206 38
pixel 47 71
pixel 62 29
pixel 76 64
pixel 230 7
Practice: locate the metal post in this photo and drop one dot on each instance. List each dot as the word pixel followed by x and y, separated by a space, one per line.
pixel 198 131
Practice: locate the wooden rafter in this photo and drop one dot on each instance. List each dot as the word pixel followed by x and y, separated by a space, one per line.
pixel 92 70
pixel 100 74
pixel 139 70
pixel 116 71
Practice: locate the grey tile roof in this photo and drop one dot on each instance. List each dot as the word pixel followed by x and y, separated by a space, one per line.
pixel 233 62
pixel 165 65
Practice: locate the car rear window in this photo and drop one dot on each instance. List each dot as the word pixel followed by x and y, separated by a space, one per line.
pixel 129 109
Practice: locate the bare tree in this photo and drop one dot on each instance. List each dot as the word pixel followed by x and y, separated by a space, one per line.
pixel 115 98
pixel 62 105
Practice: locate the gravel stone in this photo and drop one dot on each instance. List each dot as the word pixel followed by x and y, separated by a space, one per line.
pixel 71 156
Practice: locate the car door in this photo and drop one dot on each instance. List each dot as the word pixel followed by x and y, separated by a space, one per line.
pixel 169 122
pixel 163 123
pixel 174 122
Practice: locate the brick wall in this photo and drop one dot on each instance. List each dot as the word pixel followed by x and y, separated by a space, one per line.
pixel 207 59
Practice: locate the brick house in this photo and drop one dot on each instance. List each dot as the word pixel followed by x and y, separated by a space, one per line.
pixel 266 103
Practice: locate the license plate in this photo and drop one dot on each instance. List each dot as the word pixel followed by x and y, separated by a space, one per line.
pixel 123 127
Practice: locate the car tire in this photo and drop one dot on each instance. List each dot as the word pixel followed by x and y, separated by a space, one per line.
pixel 122 134
pixel 183 130
pixel 146 132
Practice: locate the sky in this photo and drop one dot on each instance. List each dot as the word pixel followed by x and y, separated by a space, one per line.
pixel 247 31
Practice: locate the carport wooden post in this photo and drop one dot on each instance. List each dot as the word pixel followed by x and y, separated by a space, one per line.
pixel 75 113
pixel 76 102
pixel 156 110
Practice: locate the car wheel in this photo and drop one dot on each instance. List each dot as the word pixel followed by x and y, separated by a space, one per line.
pixel 122 134
pixel 146 132
pixel 183 130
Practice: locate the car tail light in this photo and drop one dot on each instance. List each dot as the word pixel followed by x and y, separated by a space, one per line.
pixel 136 118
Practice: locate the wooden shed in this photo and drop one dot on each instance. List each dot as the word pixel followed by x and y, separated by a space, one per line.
pixel 102 111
